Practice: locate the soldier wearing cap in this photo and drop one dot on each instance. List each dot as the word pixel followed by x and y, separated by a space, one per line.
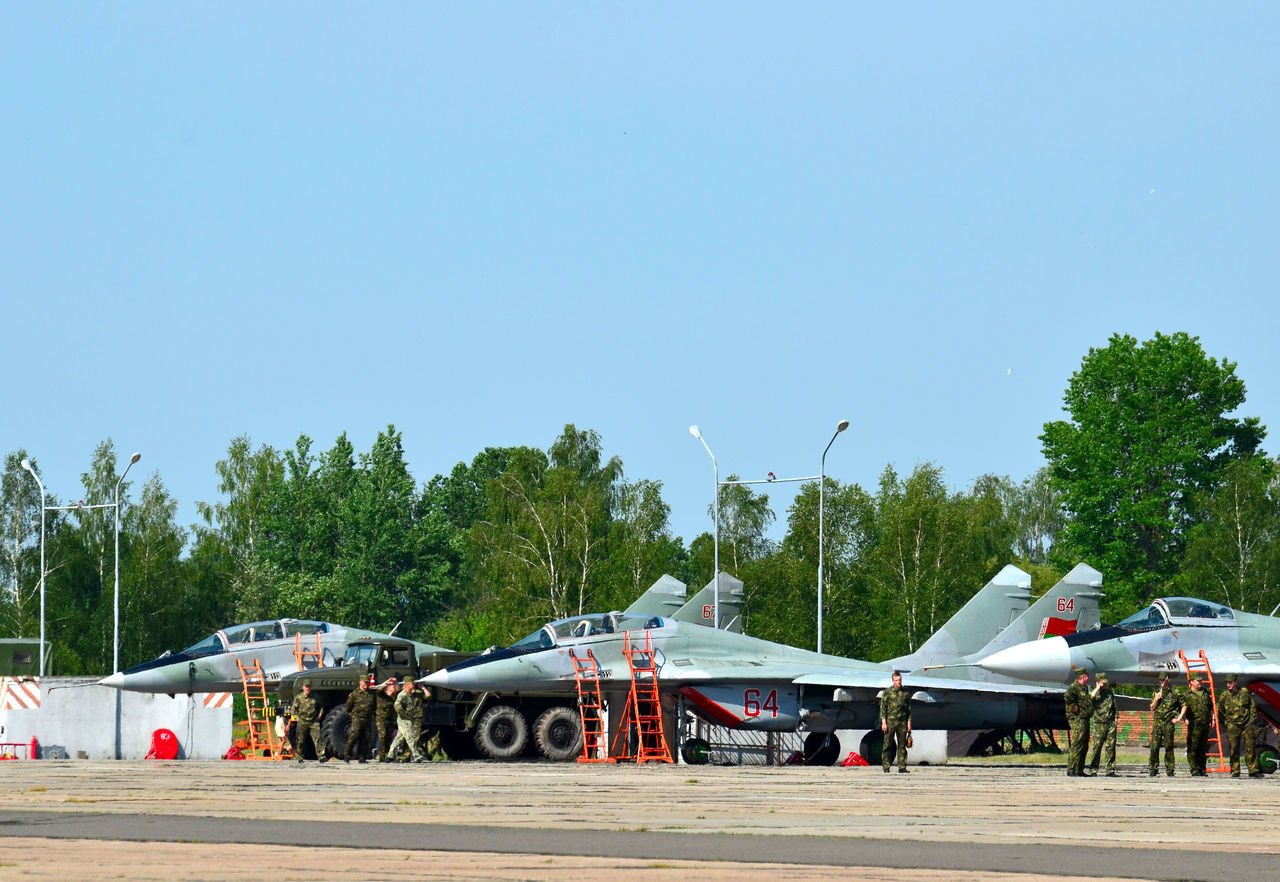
pixel 306 712
pixel 1079 707
pixel 1197 710
pixel 386 716
pixel 360 708
pixel 895 723
pixel 1103 726
pixel 1164 707
pixel 1237 715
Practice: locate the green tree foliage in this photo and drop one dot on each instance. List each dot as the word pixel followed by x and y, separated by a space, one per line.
pixel 745 517
pixel 19 548
pixel 543 541
pixel 1233 552
pixel 930 551
pixel 1148 429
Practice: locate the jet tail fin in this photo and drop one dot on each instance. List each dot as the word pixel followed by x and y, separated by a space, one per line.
pixel 1069 606
pixel 998 604
pixel 701 608
pixel 664 598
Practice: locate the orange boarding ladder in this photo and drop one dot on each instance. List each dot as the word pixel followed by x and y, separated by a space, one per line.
pixel 262 735
pixel 1201 664
pixel 644 706
pixel 587 674
pixel 308 654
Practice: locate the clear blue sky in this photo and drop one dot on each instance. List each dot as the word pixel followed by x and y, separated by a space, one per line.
pixel 482 221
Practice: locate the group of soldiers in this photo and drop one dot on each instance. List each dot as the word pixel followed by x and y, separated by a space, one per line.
pixel 1095 710
pixel 397 712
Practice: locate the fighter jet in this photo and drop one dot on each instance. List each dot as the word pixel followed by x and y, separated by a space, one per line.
pixel 210 664
pixel 1148 642
pixel 286 646
pixel 744 682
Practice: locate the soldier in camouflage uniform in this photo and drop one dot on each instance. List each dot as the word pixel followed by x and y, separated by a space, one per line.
pixel 386 716
pixel 1197 710
pixel 895 722
pixel 360 707
pixel 306 713
pixel 409 722
pixel 1103 726
pixel 1237 714
pixel 1078 704
pixel 1164 707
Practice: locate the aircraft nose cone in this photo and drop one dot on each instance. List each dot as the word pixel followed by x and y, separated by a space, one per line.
pixel 1043 660
pixel 115 681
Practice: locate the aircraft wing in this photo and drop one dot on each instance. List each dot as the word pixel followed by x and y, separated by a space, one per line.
pixel 879 680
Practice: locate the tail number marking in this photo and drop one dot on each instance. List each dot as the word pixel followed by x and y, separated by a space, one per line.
pixel 1066 604
pixel 752 706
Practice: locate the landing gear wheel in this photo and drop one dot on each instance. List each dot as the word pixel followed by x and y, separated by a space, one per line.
pixel 821 749
pixel 334 729
pixel 695 751
pixel 502 732
pixel 872 748
pixel 558 733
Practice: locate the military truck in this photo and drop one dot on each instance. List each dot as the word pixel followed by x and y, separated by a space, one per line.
pixel 470 724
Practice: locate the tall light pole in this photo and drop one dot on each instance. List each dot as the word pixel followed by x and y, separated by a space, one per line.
pixel 26 464
pixel 697 433
pixel 822 480
pixel 115 650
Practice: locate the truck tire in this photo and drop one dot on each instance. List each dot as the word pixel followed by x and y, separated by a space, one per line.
pixel 558 733
pixel 502 732
pixel 334 729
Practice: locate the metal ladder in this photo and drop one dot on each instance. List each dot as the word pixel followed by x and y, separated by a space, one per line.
pixel 305 655
pixel 590 706
pixel 644 706
pixel 1200 664
pixel 262 734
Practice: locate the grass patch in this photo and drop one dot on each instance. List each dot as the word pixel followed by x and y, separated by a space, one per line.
pixel 37 789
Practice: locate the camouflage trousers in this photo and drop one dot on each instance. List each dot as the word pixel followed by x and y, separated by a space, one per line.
pixel 1197 746
pixel 1234 738
pixel 1104 746
pixel 409 733
pixel 386 734
pixel 304 732
pixel 357 736
pixel 895 737
pixel 1079 736
pixel 1161 738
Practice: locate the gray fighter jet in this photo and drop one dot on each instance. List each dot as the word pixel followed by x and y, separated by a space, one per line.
pixel 744 682
pixel 210 665
pixel 1148 642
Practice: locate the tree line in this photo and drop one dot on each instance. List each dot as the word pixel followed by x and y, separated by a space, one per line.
pixel 1150 477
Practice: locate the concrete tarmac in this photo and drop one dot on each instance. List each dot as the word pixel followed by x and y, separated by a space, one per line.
pixel 472 820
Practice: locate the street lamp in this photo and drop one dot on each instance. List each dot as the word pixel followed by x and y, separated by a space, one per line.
pixel 115 649
pixel 26 464
pixel 697 433
pixel 822 480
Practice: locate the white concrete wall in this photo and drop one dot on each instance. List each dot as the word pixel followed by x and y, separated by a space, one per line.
pixel 79 716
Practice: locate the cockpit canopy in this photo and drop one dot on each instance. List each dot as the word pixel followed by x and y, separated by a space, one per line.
pixel 255 632
pixel 553 633
pixel 1180 611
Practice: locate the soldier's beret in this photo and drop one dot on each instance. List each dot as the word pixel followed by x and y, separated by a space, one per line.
pixel 1232 678
pixel 1195 675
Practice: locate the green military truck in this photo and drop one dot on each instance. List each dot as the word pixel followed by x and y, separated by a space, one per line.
pixel 470 724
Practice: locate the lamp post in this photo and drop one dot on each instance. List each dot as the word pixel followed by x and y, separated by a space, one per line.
pixel 115 649
pixel 26 464
pixel 822 479
pixel 697 433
